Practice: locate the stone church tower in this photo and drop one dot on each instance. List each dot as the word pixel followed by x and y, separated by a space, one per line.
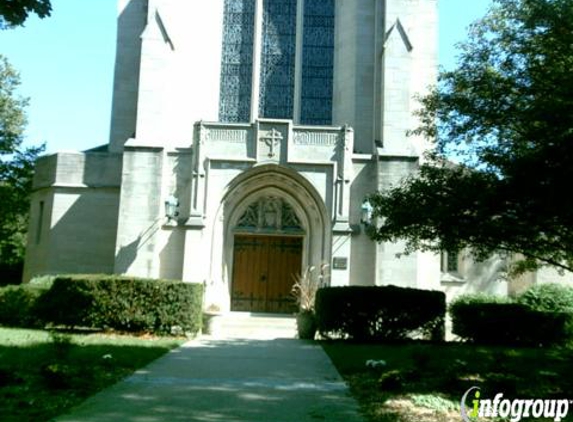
pixel 267 122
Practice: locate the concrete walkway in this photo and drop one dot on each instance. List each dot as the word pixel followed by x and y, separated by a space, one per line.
pixel 228 380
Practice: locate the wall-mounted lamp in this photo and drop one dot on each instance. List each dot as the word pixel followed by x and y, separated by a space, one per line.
pixel 171 207
pixel 366 213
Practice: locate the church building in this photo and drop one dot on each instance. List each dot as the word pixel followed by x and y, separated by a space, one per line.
pixel 245 136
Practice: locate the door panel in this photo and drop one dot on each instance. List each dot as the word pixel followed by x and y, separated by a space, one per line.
pixel 263 273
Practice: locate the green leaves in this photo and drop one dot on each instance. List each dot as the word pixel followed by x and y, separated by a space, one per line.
pixel 550 297
pixel 16 168
pixel 540 315
pixel 378 312
pixel 15 12
pixel 122 303
pixel 505 115
pixel 12 117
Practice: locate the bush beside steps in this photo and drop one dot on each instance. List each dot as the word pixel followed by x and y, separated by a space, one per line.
pixel 375 313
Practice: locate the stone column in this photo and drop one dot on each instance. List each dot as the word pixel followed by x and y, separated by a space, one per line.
pixel 196 255
pixel 298 61
pixel 130 25
pixel 341 231
pixel 198 183
pixel 257 40
pixel 157 51
pixel 140 212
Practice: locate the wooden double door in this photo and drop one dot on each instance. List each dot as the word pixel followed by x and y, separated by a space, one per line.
pixel 264 268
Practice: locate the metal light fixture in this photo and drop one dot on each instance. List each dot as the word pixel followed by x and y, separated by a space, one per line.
pixel 171 207
pixel 366 213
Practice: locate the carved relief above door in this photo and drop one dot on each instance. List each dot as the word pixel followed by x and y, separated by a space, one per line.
pixel 269 215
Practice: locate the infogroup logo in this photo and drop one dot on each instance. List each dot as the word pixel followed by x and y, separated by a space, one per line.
pixel 515 409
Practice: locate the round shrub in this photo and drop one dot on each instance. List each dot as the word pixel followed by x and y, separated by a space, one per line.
pixel 550 297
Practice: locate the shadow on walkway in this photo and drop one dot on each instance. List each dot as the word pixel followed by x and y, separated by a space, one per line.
pixel 281 380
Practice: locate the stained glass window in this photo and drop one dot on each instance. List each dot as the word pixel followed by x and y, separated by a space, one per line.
pixel 277 59
pixel 278 55
pixel 237 61
pixel 317 62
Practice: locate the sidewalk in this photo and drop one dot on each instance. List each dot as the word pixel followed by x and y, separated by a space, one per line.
pixel 228 380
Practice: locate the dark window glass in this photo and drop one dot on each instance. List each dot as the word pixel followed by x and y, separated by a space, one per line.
pixel 237 61
pixel 452 261
pixel 317 62
pixel 277 59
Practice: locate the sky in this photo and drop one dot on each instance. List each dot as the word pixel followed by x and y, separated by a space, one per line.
pixel 66 66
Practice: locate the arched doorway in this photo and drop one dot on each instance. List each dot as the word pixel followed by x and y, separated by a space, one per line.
pixel 274 215
pixel 267 256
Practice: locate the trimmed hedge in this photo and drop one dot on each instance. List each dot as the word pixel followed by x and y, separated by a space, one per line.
pixel 123 303
pixel 507 323
pixel 380 313
pixel 18 306
pixel 475 298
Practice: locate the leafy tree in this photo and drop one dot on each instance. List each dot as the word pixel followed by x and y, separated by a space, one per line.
pixel 505 114
pixel 15 12
pixel 16 169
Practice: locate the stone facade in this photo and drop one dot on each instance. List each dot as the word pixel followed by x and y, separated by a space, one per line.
pixel 181 69
pixel 73 219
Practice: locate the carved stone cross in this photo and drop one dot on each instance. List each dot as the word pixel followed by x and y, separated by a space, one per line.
pixel 272 139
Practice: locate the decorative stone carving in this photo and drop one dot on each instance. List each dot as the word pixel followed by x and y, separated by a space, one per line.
pixel 272 139
pixel 227 135
pixel 269 214
pixel 315 138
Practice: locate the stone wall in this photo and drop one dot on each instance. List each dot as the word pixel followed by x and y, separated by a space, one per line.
pixel 167 70
pixel 73 218
pixel 385 54
pixel 226 166
pixel 363 252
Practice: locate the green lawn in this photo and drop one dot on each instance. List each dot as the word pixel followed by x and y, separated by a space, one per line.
pixel 425 382
pixel 43 374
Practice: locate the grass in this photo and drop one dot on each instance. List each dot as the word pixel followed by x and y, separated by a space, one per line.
pixel 425 382
pixel 42 374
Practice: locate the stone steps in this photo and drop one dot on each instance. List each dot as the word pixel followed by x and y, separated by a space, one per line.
pixel 253 326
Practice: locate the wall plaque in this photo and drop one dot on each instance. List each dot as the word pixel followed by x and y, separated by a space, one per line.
pixel 339 263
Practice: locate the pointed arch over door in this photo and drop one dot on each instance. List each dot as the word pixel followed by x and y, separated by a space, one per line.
pixel 275 201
